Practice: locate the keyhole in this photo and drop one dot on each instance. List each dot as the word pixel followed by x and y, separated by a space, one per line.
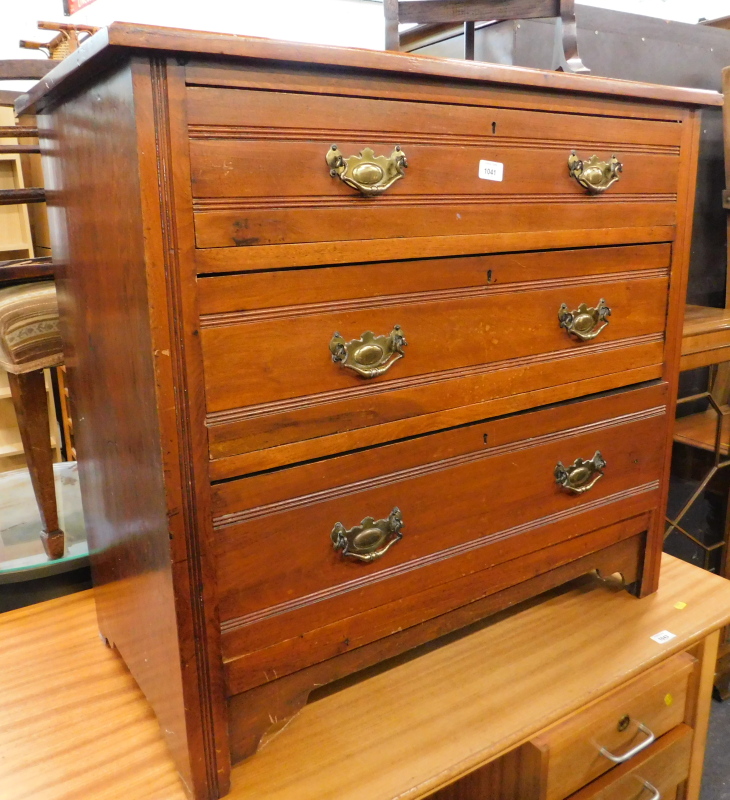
pixel 494 127
pixel 489 276
pixel 486 436
pixel 624 723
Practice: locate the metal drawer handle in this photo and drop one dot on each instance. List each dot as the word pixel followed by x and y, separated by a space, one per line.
pixel 580 476
pixel 369 540
pixel 369 174
pixel 634 751
pixel 585 323
pixel 594 175
pixel 656 794
pixel 370 355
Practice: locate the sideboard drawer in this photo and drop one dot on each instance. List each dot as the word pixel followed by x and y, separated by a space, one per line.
pixel 572 750
pixel 260 175
pixel 657 773
pixel 295 549
pixel 271 377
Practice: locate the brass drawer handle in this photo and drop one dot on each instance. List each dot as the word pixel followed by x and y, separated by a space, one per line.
pixel 656 794
pixel 650 738
pixel 370 355
pixel 581 475
pixel 585 323
pixel 366 172
pixel 369 540
pixel 594 175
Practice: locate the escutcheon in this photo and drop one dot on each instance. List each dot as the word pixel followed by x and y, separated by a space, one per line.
pixel 585 322
pixel 581 475
pixel 369 174
pixel 594 175
pixel 369 540
pixel 370 355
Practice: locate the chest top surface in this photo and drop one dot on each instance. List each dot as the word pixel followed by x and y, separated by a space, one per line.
pixel 110 43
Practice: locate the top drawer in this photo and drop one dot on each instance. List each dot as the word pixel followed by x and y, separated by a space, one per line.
pixel 260 175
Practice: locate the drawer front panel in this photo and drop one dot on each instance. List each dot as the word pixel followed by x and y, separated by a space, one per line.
pixel 306 289
pixel 477 328
pixel 656 700
pixel 256 363
pixel 271 380
pixel 236 113
pixel 274 548
pixel 241 171
pixel 260 176
pixel 663 768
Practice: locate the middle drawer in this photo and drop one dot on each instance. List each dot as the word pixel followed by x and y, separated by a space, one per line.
pixel 294 356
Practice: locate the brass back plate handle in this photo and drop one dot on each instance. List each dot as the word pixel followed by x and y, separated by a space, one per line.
pixel 369 174
pixel 594 175
pixel 369 540
pixel 584 323
pixel 581 475
pixel 370 355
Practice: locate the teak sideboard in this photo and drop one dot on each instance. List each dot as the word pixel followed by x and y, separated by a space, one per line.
pixel 553 677
pixel 363 347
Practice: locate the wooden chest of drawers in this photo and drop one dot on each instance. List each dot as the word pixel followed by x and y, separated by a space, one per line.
pixel 357 359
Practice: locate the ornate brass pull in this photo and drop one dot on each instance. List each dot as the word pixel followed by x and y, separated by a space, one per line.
pixel 594 175
pixel 581 475
pixel 584 323
pixel 370 355
pixel 366 172
pixel 369 540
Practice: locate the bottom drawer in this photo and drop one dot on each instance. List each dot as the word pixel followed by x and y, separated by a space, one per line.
pixel 312 561
pixel 653 775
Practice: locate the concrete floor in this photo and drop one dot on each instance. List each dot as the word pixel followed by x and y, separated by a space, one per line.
pixel 716 777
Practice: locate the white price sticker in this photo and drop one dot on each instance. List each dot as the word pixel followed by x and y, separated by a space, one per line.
pixel 491 170
pixel 663 637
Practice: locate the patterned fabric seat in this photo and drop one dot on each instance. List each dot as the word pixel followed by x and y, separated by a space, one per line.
pixel 29 333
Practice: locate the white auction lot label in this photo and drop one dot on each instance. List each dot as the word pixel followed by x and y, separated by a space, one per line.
pixel 663 637
pixel 491 170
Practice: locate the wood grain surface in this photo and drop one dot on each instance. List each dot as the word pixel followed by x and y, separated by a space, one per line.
pixel 90 734
pixel 705 336
pixel 118 35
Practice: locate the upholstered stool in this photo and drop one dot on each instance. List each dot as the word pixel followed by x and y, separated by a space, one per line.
pixel 30 342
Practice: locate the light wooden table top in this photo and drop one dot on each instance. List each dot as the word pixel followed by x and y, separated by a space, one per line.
pixel 74 726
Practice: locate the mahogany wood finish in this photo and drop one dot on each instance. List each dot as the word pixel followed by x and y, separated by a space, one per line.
pixel 212 279
pixel 19 148
pixel 24 69
pixel 20 269
pixel 14 131
pixel 11 197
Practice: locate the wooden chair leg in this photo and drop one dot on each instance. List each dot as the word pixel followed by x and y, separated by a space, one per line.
pixel 31 407
pixel 566 57
pixel 392 36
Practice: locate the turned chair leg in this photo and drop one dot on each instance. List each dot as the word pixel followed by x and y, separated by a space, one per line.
pixel 31 407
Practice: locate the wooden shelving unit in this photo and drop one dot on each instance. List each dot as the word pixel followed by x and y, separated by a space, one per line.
pixel 698 430
pixel 16 241
pixel 705 337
